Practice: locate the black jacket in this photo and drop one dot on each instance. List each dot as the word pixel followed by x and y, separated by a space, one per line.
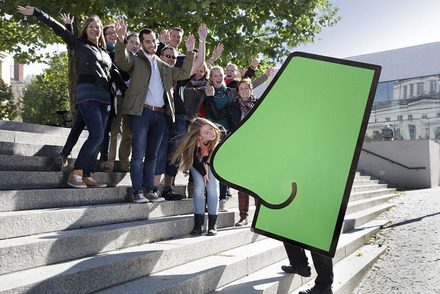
pixel 93 63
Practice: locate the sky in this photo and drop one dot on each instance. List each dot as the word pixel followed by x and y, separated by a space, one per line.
pixel 366 26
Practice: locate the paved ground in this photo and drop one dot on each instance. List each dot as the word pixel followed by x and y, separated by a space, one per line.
pixel 411 263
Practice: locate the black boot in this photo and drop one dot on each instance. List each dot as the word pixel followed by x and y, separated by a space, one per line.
pixel 212 225
pixel 199 219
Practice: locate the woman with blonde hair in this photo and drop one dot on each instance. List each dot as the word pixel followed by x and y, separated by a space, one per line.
pixel 194 154
pixel 93 65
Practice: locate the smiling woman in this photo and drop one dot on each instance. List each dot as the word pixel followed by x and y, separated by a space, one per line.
pixel 93 97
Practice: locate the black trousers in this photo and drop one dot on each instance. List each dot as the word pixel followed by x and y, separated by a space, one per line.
pixel 323 264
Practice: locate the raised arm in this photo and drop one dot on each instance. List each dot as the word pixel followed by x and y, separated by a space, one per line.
pixel 58 28
pixel 217 52
pixel 259 81
pixel 203 32
pixel 123 58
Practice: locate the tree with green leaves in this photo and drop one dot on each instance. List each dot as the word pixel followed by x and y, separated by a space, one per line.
pixel 48 94
pixel 245 27
pixel 8 109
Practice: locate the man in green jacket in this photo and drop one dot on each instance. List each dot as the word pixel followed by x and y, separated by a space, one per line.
pixel 148 100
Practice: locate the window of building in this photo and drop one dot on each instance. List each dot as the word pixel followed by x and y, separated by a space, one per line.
pixel 410 116
pixel 419 89
pixel 411 90
pixel 424 116
pixel 432 86
pixel 412 132
pixel 426 133
pixel 388 119
pixel 400 117
pixel 405 92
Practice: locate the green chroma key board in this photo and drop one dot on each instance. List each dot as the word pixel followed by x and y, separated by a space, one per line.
pixel 296 152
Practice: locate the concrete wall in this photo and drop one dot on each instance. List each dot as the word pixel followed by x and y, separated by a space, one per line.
pixel 416 153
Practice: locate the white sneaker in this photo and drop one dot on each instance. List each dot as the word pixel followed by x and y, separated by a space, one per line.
pixel 222 206
pixel 140 198
pixel 153 196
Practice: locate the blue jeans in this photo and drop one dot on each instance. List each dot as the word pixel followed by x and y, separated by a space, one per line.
pixel 146 131
pixel 95 115
pixel 105 145
pixel 172 136
pixel 74 134
pixel 199 193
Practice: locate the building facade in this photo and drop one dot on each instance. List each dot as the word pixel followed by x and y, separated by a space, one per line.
pixel 408 94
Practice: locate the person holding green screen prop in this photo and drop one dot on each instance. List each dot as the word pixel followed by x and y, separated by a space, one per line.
pixel 306 134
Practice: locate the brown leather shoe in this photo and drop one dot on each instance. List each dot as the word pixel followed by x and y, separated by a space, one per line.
pixel 76 179
pixel 241 222
pixel 90 182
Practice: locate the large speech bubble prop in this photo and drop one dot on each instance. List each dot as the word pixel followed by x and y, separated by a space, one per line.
pixel 297 150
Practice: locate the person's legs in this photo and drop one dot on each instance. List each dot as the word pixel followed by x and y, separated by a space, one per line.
pixel 243 208
pixel 154 138
pixel 95 115
pixel 105 146
pixel 125 145
pixel 176 133
pixel 298 261
pixel 116 125
pixel 212 194
pixel 139 126
pixel 324 268
pixel 74 134
pixel 199 192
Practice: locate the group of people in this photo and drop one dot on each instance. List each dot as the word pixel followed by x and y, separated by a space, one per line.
pixel 171 105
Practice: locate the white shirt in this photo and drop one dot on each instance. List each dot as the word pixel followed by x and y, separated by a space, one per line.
pixel 156 88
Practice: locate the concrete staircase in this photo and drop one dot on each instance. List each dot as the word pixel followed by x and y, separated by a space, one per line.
pixel 55 239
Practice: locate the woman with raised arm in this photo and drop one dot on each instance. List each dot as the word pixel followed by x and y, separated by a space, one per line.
pixel 93 65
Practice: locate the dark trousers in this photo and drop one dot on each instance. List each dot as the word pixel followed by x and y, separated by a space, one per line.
pixel 95 115
pixel 323 264
pixel 74 134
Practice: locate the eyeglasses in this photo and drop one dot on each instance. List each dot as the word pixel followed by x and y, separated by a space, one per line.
pixel 169 56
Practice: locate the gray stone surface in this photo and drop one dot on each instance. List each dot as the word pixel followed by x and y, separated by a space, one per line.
pixel 411 263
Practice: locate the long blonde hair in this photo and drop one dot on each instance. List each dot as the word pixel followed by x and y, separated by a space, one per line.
pixel 185 151
pixel 83 31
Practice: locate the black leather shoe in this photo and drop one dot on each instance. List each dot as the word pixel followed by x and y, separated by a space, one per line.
pixel 170 195
pixel 316 290
pixel 305 271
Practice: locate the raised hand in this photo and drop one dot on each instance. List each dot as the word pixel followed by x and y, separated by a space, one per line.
pixel 255 62
pixel 269 72
pixel 209 91
pixel 203 31
pixel 121 29
pixel 218 50
pixel 28 10
pixel 190 43
pixel 164 36
pixel 66 18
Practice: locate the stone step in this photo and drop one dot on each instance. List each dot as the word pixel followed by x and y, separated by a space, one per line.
pixel 15 180
pixel 354 196
pixel 26 149
pixel 37 138
pixel 37 250
pixel 208 274
pixel 362 188
pixel 273 280
pixel 356 219
pixel 30 222
pixel 98 272
pixel 13 200
pixel 33 128
pixel 359 205
pixel 350 271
